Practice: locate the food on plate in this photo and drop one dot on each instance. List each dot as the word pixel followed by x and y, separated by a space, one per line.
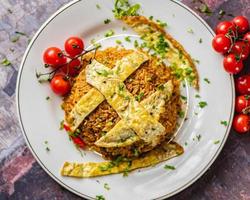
pixel 122 103
pixel 99 118
pixel 122 165
pixel 161 43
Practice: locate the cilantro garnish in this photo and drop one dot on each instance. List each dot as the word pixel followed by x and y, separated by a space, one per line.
pixel 169 167
pixel 123 8
pixel 107 21
pixel 202 104
pixel 224 123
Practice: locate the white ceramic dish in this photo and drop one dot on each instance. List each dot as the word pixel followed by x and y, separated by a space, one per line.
pixel 40 119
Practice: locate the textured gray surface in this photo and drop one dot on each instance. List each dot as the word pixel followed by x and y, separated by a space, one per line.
pixel 20 175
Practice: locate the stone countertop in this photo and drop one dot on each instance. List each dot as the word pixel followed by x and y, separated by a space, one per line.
pixel 21 177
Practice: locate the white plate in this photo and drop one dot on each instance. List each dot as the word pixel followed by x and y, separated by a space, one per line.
pixel 40 118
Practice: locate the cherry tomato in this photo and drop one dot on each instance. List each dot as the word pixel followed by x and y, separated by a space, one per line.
pixel 225 27
pixel 241 103
pixel 78 141
pixel 54 57
pixel 221 43
pixel 246 38
pixel 242 85
pixel 241 123
pixel 241 49
pixel 241 23
pixel 60 85
pixel 72 68
pixel 74 46
pixel 66 127
pixel 232 65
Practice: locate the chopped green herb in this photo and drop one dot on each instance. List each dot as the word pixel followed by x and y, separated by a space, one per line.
pixel 121 87
pixel 136 44
pixel 109 33
pixel 118 42
pixel 169 167
pixel 161 46
pixel 98 6
pixel 206 80
pixel 224 123
pixel 47 149
pixel 198 137
pixel 61 125
pixel 181 114
pixel 124 28
pixel 195 113
pixel 5 62
pixel 127 98
pixel 107 21
pixel 190 30
pixel 46 142
pixel 47 98
pixel 106 186
pixel 97 45
pixel 161 87
pixel 185 143
pixel 20 33
pixel 123 8
pixel 216 141
pixel 202 104
pixel 183 98
pixel 102 72
pixel 15 38
pixel 127 38
pixel 139 97
pixel 161 23
pixel 200 40
pixel 205 9
pixel 196 61
pixel 125 173
pixel 197 96
pixel 99 197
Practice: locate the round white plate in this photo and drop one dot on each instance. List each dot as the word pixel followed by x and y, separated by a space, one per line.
pixel 202 134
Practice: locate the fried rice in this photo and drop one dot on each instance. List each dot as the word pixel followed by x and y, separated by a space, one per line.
pixel 144 80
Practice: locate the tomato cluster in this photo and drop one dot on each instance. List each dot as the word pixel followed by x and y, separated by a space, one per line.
pixel 66 64
pixel 242 105
pixel 233 41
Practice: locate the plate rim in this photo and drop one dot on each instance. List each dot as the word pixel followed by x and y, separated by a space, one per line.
pixel 178 190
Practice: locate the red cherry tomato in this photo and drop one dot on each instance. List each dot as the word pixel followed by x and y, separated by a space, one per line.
pixel 78 141
pixel 60 85
pixel 225 27
pixel 241 23
pixel 54 57
pixel 74 46
pixel 242 85
pixel 241 49
pixel 221 43
pixel 246 38
pixel 232 65
pixel 66 127
pixel 241 103
pixel 72 68
pixel 241 123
